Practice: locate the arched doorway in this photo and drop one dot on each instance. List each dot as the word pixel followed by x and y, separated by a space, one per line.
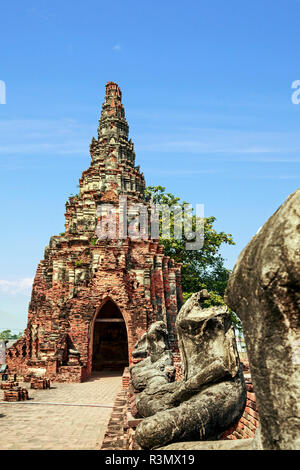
pixel 110 343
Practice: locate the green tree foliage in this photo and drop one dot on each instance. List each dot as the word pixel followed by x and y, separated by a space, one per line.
pixel 7 334
pixel 201 269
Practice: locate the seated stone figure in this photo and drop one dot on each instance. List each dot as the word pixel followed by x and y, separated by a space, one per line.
pixel 212 395
pixel 157 369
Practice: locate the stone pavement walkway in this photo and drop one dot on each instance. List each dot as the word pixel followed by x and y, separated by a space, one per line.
pixel 29 426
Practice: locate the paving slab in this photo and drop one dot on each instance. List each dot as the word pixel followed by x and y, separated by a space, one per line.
pixel 31 426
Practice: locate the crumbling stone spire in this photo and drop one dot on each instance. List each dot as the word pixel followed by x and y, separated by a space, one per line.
pixel 112 123
pixel 113 158
pixel 81 273
pixel 112 105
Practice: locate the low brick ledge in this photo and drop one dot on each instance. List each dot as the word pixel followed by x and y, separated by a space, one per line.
pixel 115 437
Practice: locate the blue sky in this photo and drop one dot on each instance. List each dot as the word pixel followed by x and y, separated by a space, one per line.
pixel 207 92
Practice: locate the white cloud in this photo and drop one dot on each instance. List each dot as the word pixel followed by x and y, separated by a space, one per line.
pixel 117 47
pixel 64 137
pixel 60 137
pixel 192 171
pixel 17 286
pixel 226 144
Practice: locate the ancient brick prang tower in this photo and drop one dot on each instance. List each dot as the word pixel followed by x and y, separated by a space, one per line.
pixel 92 299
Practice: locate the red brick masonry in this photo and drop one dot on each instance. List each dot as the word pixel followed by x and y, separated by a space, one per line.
pixel 247 425
pixel 80 275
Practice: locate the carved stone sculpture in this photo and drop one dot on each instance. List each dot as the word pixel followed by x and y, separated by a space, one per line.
pixel 157 369
pixel 212 395
pixel 140 348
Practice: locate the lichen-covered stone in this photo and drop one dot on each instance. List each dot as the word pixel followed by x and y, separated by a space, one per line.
pixel 264 290
pixel 158 368
pixel 212 395
pixel 140 348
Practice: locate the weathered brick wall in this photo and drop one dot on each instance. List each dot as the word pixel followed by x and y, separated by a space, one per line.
pixel 247 425
pixel 178 366
pixel 16 357
pixel 126 378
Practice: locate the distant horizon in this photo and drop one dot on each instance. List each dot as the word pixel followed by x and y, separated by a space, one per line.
pixel 208 94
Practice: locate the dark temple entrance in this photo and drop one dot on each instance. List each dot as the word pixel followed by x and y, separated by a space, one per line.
pixel 110 345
